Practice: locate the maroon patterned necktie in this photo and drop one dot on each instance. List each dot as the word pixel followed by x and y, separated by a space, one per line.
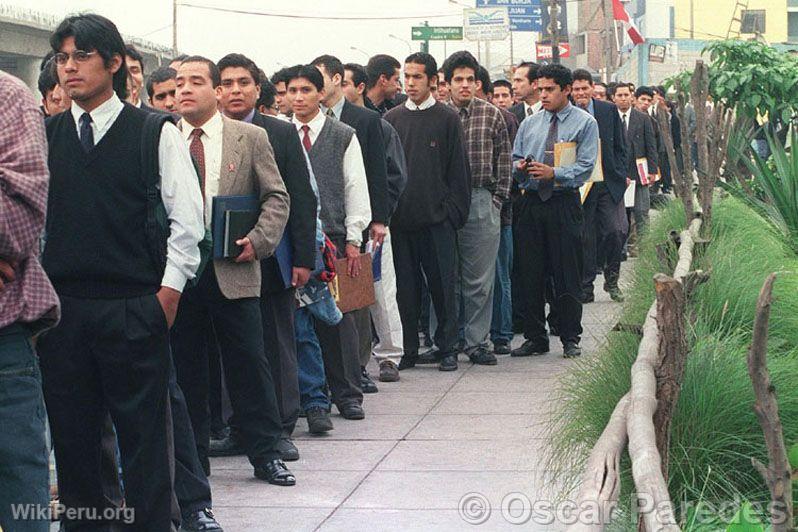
pixel 306 138
pixel 197 151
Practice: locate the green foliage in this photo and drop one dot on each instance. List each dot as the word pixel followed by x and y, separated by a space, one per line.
pixel 793 456
pixel 714 431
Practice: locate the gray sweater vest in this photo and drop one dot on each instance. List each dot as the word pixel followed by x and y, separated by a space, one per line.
pixel 327 159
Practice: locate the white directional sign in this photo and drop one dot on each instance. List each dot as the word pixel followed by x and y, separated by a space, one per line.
pixel 486 24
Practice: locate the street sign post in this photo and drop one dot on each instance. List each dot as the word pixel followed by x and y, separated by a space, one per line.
pixel 525 15
pixel 436 33
pixel 486 24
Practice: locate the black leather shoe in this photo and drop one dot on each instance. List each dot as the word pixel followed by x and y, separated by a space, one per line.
pixel 530 349
pixel 501 348
pixel 366 384
pixel 482 357
pixel 571 350
pixel 553 331
pixel 287 450
pixel 408 361
pixel 275 472
pixel 430 357
pixel 351 411
pixel 230 446
pixel 200 521
pixel 319 420
pixel 448 363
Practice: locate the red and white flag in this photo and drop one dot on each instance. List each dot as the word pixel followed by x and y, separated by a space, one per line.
pixel 619 13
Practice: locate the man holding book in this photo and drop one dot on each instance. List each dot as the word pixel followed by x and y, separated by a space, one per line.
pixel 233 159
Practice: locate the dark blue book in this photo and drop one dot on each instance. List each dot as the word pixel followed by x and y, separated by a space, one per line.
pixel 220 227
pixel 285 258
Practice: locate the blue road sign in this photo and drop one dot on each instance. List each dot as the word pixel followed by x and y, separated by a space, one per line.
pixel 525 15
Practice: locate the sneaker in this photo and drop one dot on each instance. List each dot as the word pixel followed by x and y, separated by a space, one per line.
pixel 388 371
pixel 501 347
pixel 366 384
pixel 319 420
pixel 571 350
pixel 481 356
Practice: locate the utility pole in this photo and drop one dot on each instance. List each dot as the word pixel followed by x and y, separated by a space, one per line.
pixel 512 59
pixel 425 43
pixel 174 27
pixel 554 29
pixel 609 31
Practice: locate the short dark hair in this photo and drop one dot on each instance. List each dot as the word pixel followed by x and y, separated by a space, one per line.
pixel 213 70
pixel 281 76
pixel 267 93
pixel 600 84
pixel 583 75
pixel 560 74
pixel 242 61
pixel 425 59
pixel 461 59
pixel 532 72
pixel 612 88
pixel 382 65
pixel 484 77
pixel 660 89
pixel 95 32
pixel 180 58
pixel 135 55
pixel 46 59
pixel 643 90
pixel 160 75
pixel 48 78
pixel 309 72
pixel 503 83
pixel 331 64
pixel 358 73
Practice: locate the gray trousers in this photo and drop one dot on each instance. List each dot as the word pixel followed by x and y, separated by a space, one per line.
pixel 642 206
pixel 478 247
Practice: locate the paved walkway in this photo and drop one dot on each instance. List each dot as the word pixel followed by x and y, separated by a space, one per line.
pixel 426 442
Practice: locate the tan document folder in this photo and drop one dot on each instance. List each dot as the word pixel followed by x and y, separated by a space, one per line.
pixel 353 293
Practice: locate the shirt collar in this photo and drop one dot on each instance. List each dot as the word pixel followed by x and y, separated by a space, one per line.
pixel 249 117
pixel 426 104
pixel 211 128
pixel 468 108
pixel 102 113
pixel 315 125
pixel 590 107
pixel 563 114
pixel 337 109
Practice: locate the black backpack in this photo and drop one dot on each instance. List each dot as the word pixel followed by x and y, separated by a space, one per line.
pixel 157 222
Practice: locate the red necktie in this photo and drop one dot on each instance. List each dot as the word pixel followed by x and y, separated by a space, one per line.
pixel 197 151
pixel 306 138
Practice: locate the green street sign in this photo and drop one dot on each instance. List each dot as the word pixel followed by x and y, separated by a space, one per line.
pixel 437 33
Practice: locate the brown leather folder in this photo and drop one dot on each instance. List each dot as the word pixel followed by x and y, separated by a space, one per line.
pixel 353 293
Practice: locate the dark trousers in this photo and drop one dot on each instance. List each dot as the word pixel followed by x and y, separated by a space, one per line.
pixel 247 375
pixel 550 237
pixel 435 250
pixel 340 349
pixel 24 475
pixel 279 340
pixel 602 228
pixel 215 399
pixel 111 355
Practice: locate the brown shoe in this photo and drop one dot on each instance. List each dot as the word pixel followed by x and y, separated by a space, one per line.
pixel 389 372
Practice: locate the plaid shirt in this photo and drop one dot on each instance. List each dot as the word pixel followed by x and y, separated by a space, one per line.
pixel 30 298
pixel 488 147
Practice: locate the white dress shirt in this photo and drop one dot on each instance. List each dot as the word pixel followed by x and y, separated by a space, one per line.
pixel 426 104
pixel 537 106
pixel 337 108
pixel 180 192
pixel 625 116
pixel 212 134
pixel 356 190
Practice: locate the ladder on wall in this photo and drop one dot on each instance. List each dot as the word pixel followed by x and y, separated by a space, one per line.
pixel 737 19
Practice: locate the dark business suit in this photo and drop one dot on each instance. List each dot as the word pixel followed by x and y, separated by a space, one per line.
pixel 601 206
pixel 278 302
pixel 519 110
pixel 641 142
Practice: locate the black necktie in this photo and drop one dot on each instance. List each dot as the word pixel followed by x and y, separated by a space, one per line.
pixel 86 133
pixel 529 111
pixel 625 124
pixel 546 188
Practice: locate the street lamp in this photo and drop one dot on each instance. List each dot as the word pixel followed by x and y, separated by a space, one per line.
pixel 356 49
pixel 407 43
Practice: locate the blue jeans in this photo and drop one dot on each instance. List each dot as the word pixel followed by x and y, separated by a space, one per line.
pixel 310 365
pixel 24 472
pixel 501 327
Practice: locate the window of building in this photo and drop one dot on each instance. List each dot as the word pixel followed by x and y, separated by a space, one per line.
pixel 792 26
pixel 579 45
pixel 753 21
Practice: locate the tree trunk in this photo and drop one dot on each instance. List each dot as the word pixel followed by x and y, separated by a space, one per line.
pixel 699 91
pixel 682 183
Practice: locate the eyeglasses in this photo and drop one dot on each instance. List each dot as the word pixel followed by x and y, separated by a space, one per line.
pixel 78 56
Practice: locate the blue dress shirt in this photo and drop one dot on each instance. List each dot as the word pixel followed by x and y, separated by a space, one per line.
pixel 575 125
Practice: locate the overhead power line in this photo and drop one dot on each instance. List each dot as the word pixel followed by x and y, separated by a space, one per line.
pixel 317 17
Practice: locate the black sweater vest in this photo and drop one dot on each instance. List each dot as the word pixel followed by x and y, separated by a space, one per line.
pixel 96 244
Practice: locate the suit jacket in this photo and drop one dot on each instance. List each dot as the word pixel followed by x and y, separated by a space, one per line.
pixel 396 165
pixel 290 158
pixel 369 133
pixel 519 111
pixel 640 142
pixel 248 167
pixel 614 162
